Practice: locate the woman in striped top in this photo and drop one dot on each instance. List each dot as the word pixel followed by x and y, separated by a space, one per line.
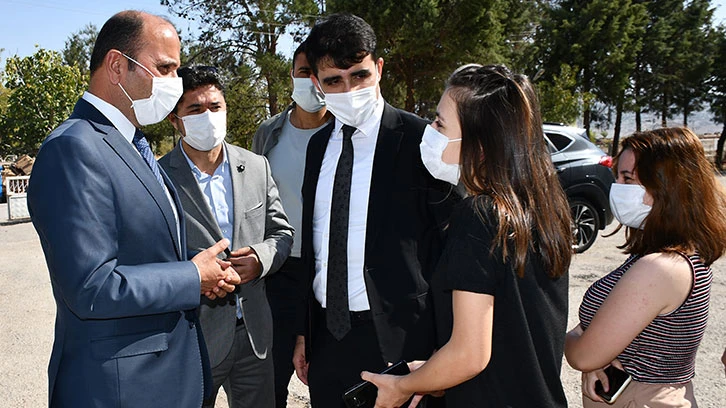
pixel 649 315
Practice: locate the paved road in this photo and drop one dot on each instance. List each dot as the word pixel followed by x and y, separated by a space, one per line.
pixel 29 312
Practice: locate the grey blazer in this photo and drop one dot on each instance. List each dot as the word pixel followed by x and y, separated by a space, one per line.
pixel 259 222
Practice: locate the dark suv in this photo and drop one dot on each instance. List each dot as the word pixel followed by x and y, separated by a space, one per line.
pixel 585 175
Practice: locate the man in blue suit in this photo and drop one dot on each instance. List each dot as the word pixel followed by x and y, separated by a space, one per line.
pixel 112 229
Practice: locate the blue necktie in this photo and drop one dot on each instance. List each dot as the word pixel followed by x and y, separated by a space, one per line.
pixel 337 310
pixel 142 145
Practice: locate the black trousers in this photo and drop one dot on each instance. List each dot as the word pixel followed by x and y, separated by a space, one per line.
pixel 284 294
pixel 336 365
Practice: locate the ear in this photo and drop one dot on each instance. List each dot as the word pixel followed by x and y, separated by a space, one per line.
pixel 379 67
pixel 115 65
pixel 174 122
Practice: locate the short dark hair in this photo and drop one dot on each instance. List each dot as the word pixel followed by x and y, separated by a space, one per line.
pixel 121 32
pixel 196 76
pixel 344 38
pixel 301 49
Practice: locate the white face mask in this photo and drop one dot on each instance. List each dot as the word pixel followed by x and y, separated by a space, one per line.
pixel 205 131
pixel 433 144
pixel 306 96
pixel 626 202
pixel 165 93
pixel 354 107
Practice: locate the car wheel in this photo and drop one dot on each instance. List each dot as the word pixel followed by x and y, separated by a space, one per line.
pixel 584 224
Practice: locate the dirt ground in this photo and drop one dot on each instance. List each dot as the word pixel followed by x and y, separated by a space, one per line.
pixel 29 311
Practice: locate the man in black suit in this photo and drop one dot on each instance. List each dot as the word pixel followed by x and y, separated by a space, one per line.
pixel 373 220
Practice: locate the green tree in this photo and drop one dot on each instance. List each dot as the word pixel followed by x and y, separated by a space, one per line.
pixel 248 33
pixel 559 102
pixel 43 92
pixel 598 37
pixel 423 41
pixel 657 67
pixel 78 48
pixel 246 107
pixel 695 56
pixel 717 96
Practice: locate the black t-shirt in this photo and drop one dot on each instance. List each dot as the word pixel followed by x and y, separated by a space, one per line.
pixel 530 317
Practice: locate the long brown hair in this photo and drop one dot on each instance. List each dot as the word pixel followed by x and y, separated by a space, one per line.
pixel 689 204
pixel 505 159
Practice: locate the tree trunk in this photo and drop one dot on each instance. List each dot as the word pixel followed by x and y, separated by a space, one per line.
pixel 271 97
pixel 721 140
pixel 664 112
pixel 410 89
pixel 638 126
pixel 685 115
pixel 618 124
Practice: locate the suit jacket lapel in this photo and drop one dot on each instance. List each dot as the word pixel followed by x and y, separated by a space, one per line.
pixel 128 154
pixel 193 200
pixel 313 160
pixel 384 160
pixel 237 168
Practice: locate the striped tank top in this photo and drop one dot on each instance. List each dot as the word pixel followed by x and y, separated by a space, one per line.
pixel 665 351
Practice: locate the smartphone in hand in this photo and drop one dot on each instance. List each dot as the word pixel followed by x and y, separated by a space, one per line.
pixel 618 380
pixel 363 395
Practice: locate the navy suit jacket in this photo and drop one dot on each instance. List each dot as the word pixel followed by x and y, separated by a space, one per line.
pixel 126 332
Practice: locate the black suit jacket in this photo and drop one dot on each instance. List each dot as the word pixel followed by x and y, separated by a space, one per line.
pixel 408 211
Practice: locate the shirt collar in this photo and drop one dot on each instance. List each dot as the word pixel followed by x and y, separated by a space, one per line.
pixel 370 127
pixel 221 169
pixel 117 119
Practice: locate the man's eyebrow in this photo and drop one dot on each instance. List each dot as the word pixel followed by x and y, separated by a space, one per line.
pixel 439 118
pixel 365 71
pixel 330 79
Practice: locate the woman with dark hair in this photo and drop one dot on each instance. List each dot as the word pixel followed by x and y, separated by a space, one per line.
pixel 648 316
pixel 500 289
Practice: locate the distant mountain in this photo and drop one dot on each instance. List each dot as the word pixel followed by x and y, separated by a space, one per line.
pixel 700 122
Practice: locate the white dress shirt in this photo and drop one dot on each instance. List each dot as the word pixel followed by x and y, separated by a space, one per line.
pixel 364 147
pixel 217 190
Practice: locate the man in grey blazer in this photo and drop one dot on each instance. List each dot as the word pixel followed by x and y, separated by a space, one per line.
pixel 228 192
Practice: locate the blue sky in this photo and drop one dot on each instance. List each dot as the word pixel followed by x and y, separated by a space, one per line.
pixel 48 23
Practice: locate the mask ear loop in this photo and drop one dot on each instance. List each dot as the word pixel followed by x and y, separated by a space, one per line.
pixel 127 95
pixel 139 64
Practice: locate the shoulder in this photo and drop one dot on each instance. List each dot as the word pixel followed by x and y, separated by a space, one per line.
pixel 408 119
pixel 274 121
pixel 473 217
pixel 666 276
pixel 240 153
pixel 661 266
pixel 165 159
pixel 76 137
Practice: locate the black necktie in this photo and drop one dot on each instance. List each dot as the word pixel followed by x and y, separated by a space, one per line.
pixel 142 145
pixel 336 311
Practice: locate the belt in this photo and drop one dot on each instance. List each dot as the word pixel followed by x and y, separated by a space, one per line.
pixel 361 316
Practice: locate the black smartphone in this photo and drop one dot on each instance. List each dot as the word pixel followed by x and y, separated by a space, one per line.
pixel 618 380
pixel 363 395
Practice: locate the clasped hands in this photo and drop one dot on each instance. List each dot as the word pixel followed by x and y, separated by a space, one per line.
pixel 220 277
